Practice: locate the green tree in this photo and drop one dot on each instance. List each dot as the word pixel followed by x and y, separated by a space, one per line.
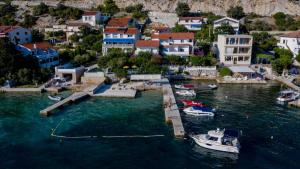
pixel 205 35
pixel 174 59
pixel 40 9
pixel 298 57
pixel 236 12
pixel 37 36
pixel 182 9
pixel 29 21
pixel 224 29
pixel 179 28
pixel 109 7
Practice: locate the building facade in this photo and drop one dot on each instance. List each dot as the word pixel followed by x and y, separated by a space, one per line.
pixel 180 44
pixel 235 49
pixel 121 33
pixel 150 46
pixel 91 17
pixel 230 21
pixel 121 38
pixel 290 41
pixel 47 56
pixel 191 23
pixel 16 34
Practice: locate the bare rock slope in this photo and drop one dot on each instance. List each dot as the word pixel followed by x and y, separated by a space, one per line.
pixel 261 7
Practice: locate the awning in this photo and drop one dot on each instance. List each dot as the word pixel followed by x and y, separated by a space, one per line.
pixel 119 40
pixel 241 69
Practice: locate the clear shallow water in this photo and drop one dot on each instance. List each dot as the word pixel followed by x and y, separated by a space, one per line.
pixel 25 140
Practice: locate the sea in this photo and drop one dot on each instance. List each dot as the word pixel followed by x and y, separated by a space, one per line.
pixel 119 133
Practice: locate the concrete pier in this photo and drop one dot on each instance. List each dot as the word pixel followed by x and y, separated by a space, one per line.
pixel 284 81
pixel 74 97
pixel 171 111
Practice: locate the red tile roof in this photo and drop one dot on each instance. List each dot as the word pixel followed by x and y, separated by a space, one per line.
pixel 118 22
pixel 39 45
pixel 292 35
pixel 147 43
pixel 191 18
pixel 90 13
pixel 6 29
pixel 130 31
pixel 179 35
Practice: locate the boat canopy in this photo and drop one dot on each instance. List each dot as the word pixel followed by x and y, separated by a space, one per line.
pixel 202 108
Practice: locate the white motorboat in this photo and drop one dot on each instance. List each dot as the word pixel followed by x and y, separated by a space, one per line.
pixel 55 98
pixel 212 86
pixel 184 87
pixel 221 140
pixel 288 95
pixel 189 93
pixel 199 111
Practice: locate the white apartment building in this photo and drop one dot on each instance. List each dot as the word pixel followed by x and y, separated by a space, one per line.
pixel 290 41
pixel 123 38
pixel 230 21
pixel 180 44
pixel 16 34
pixel 151 46
pixel 235 49
pixel 91 17
pixel 191 23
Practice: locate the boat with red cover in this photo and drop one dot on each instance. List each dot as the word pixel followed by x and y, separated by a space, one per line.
pixel 192 103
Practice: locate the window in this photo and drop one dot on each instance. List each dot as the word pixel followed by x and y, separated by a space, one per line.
pixel 181 50
pixel 18 33
pixel 130 36
pixel 240 58
pixel 190 40
pixel 232 41
pixel 213 138
pixel 115 36
pixel 26 33
pixel 182 41
pixel 244 41
pixel 246 58
pixel 121 35
pixel 243 50
pixel 26 39
pixel 228 58
pixel 283 41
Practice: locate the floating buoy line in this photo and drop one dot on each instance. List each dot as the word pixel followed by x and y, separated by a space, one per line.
pixel 88 137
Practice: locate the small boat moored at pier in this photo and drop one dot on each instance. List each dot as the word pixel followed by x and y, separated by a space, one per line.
pixel 192 103
pixel 288 95
pixel 221 140
pixel 55 98
pixel 184 87
pixel 188 93
pixel 199 111
pixel 212 86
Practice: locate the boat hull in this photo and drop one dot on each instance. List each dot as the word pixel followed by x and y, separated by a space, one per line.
pixel 217 147
pixel 198 113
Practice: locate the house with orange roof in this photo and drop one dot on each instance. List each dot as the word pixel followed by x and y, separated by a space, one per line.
pixel 45 53
pixel 16 34
pixel 290 41
pixel 120 33
pixel 180 43
pixel 151 46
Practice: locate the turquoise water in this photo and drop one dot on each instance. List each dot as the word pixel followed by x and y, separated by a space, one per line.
pixel 25 140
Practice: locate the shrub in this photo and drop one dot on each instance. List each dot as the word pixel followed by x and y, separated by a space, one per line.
pixel 225 71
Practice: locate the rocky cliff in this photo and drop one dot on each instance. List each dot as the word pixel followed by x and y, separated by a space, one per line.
pixel 261 7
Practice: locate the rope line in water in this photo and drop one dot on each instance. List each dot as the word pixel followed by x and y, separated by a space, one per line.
pixel 85 137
